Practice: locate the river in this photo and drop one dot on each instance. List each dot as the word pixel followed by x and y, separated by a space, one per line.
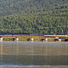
pixel 33 54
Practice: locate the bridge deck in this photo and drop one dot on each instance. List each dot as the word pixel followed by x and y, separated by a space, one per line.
pixel 40 37
pixel 56 36
pixel 19 37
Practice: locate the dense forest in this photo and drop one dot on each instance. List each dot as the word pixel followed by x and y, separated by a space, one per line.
pixel 34 16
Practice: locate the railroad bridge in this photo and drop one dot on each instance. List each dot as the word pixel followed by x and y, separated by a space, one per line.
pixel 16 38
pixel 57 37
pixel 30 38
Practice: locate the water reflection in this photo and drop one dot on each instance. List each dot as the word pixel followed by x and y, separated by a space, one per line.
pixel 1 53
pixel 33 53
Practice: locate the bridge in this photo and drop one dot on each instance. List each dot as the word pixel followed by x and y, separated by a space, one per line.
pixel 44 37
pixel 57 37
pixel 31 38
pixel 16 38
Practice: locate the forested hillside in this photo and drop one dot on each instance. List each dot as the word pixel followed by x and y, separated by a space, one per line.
pixel 31 16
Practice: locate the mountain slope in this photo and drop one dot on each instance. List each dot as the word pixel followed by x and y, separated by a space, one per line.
pixel 30 16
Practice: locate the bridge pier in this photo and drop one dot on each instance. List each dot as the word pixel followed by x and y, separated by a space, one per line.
pixel 28 39
pixel 66 40
pixel 56 39
pixel 13 39
pixel 1 39
pixel 17 39
pixel 32 39
pixel 59 40
pixel 42 39
pixel 46 39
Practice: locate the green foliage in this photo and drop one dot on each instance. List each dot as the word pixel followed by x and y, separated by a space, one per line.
pixel 30 16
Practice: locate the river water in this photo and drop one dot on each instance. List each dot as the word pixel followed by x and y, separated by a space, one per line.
pixel 33 54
